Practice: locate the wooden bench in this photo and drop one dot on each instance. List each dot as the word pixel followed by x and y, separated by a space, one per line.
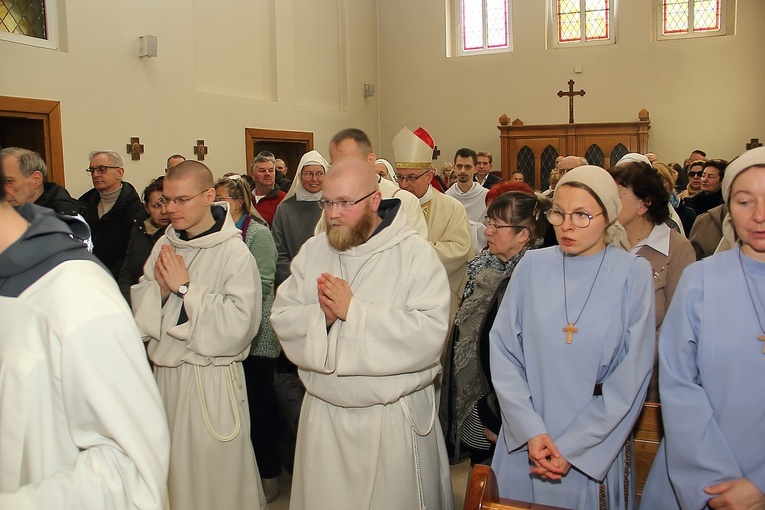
pixel 647 434
pixel 483 494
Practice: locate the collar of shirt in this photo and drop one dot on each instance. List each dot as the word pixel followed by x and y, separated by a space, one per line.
pixel 658 239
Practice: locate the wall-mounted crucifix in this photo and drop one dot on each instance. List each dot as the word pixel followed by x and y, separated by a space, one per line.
pixel 753 144
pixel 135 148
pixel 436 152
pixel 200 150
pixel 571 95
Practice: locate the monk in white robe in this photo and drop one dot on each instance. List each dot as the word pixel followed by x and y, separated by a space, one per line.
pixel 364 317
pixel 199 306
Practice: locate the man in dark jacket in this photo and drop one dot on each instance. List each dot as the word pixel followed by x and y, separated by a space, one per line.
pixel 25 182
pixel 110 208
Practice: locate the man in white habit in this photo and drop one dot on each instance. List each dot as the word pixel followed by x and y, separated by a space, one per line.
pixel 199 306
pixel 364 317
pixel 448 224
pixel 471 194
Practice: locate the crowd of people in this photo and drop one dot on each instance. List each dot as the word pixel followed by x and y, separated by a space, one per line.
pixel 363 323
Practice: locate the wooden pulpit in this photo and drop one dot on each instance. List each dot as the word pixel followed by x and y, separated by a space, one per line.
pixel 532 149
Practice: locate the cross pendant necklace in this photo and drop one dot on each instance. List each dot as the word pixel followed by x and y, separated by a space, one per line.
pixel 751 298
pixel 570 329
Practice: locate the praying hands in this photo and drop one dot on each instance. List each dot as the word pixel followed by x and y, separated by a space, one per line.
pixel 334 297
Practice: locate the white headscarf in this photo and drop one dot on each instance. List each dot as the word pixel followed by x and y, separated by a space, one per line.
pixel 309 158
pixel 635 157
pixel 603 185
pixel 391 172
pixel 753 157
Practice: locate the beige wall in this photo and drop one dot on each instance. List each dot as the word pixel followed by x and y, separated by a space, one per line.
pixel 222 66
pixel 459 99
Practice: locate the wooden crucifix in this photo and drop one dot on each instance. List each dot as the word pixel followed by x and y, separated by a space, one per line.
pixel 135 148
pixel 570 330
pixel 436 152
pixel 753 144
pixel 200 149
pixel 571 95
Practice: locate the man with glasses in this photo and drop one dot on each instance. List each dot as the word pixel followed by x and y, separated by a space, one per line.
pixel 110 208
pixel 364 317
pixel 199 306
pixel 355 142
pixel 266 195
pixel 448 224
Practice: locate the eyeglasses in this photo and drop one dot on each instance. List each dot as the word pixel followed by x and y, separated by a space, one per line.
pixel 410 179
pixel 101 169
pixel 343 205
pixel 695 174
pixel 579 219
pixel 311 175
pixel 180 201
pixel 494 226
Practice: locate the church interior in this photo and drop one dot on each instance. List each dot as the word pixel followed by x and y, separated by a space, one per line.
pixel 301 67
pixel 228 75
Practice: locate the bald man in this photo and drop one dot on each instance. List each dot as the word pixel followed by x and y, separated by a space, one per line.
pixel 364 316
pixel 353 142
pixel 199 306
pixel 569 163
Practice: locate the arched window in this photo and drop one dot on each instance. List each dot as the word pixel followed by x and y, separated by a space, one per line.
pixel 594 156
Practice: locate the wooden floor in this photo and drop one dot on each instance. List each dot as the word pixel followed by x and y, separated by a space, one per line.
pixel 459 486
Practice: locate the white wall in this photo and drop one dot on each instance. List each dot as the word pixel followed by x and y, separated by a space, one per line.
pixel 459 99
pixel 221 67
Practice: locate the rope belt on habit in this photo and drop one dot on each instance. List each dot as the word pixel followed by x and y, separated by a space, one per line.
pixel 407 407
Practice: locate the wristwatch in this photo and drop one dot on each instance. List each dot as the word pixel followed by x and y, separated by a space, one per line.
pixel 182 290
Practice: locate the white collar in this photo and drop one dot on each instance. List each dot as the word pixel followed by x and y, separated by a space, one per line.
pixel 658 239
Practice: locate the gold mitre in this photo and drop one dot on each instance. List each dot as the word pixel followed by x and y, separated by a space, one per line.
pixel 413 149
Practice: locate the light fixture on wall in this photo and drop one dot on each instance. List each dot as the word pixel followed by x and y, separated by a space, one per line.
pixel 148 46
pixel 369 89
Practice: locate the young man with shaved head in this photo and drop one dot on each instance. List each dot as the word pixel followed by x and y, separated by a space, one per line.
pixel 364 316
pixel 199 306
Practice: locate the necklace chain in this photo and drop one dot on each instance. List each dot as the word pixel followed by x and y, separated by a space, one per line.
pixel 565 293
pixel 749 290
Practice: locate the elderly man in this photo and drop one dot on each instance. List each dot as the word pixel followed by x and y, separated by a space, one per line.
pixel 110 208
pixel 174 160
pixel 448 223
pixel 199 306
pixel 266 195
pixel 364 317
pixel 483 174
pixel 25 182
pixel 81 420
pixel 355 142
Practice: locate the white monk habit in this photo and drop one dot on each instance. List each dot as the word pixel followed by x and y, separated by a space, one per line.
pixel 474 201
pixel 368 435
pixel 197 343
pixel 449 232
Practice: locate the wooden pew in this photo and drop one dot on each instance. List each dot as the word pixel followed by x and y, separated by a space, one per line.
pixel 647 434
pixel 483 494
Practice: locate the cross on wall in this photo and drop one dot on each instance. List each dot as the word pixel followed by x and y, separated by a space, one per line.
pixel 571 95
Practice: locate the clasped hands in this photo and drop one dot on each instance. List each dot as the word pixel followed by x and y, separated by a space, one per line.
pixel 334 297
pixel 170 271
pixel 546 460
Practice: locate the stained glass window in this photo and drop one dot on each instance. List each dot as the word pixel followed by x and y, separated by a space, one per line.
pixel 691 16
pixel 592 15
pixel 23 17
pixel 484 24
